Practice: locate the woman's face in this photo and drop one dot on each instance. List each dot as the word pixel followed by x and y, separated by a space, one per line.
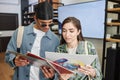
pixel 70 32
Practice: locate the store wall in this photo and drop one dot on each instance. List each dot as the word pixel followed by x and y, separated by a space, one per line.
pixel 10 6
pixel 33 1
pixel 66 2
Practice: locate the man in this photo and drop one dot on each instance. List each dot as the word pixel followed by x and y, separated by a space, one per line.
pixel 37 39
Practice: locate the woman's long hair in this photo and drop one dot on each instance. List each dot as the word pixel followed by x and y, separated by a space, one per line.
pixel 77 24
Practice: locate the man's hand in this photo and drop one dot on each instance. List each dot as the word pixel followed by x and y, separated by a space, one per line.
pixel 19 61
pixel 48 72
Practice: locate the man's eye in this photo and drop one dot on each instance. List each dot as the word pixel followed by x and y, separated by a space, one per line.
pixel 43 25
pixel 64 30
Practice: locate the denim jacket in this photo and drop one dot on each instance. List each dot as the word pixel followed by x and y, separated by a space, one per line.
pixel 49 42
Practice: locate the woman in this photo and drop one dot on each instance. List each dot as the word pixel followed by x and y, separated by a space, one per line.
pixel 72 42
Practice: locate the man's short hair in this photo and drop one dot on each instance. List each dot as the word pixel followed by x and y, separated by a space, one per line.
pixel 44 11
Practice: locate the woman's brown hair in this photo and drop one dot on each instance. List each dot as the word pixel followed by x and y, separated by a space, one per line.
pixel 77 24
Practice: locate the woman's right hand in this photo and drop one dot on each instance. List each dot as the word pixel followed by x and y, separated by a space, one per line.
pixel 65 76
pixel 19 61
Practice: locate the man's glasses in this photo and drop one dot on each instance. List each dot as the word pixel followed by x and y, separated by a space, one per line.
pixel 44 24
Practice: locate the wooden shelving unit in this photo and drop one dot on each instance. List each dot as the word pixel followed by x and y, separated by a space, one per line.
pixel 114 24
pixel 113 11
pixel 112 40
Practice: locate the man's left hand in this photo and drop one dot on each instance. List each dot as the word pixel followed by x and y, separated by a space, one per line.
pixel 48 72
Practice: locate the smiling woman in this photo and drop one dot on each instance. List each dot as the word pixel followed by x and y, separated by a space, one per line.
pixel 72 42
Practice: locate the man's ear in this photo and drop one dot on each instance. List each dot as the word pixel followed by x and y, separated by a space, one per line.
pixel 34 17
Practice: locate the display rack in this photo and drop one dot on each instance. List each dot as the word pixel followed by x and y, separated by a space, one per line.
pixel 113 10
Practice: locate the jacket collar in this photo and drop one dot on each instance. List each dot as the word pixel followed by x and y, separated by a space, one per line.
pixel 30 30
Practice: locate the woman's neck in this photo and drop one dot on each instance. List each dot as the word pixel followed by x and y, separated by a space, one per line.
pixel 72 44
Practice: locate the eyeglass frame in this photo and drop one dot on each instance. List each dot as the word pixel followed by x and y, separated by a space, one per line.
pixel 44 24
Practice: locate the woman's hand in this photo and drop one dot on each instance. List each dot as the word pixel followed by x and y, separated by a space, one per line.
pixel 65 76
pixel 88 70
pixel 48 72
pixel 20 61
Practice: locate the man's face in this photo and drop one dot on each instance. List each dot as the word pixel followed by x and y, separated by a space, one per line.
pixel 43 25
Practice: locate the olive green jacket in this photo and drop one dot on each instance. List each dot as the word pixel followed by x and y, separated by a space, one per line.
pixel 84 47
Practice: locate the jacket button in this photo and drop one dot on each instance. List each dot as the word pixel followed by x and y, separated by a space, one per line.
pixel 27 75
pixel 30 44
pixel 28 65
pixel 34 34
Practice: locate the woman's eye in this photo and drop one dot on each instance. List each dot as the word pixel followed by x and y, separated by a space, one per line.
pixel 71 31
